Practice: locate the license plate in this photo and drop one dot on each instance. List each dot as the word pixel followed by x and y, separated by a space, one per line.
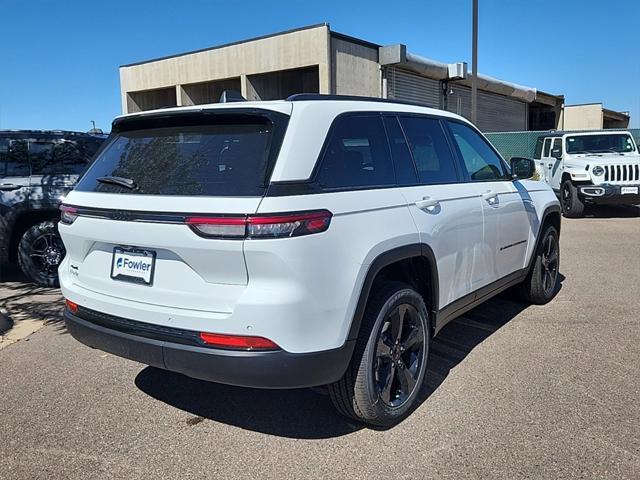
pixel 629 190
pixel 134 265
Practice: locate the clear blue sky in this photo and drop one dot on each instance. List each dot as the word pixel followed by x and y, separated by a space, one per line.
pixel 60 59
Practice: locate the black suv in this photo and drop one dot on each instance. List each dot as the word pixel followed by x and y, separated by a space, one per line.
pixel 37 169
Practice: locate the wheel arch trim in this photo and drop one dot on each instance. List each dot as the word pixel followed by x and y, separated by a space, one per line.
pixel 550 210
pixel 395 255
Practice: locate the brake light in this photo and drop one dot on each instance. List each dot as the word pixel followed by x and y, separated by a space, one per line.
pixel 72 306
pixel 68 214
pixel 288 225
pixel 238 342
pixel 221 227
pixel 262 226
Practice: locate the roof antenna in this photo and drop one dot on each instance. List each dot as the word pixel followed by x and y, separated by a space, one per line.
pixel 94 130
pixel 231 96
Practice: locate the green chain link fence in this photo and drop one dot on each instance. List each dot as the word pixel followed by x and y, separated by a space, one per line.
pixel 523 144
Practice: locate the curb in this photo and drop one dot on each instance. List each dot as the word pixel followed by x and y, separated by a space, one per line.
pixel 5 322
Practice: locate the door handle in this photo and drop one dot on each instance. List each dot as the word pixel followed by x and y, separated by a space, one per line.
pixel 491 197
pixel 428 204
pixel 7 187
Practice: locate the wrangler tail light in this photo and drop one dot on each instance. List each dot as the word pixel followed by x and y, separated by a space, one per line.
pixel 277 225
pixel 68 214
pixel 237 342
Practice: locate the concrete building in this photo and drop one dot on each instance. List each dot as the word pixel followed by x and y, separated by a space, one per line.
pixel 591 116
pixel 316 59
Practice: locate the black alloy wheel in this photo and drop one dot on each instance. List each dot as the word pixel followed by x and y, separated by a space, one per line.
pixel 399 355
pixel 383 381
pixel 542 282
pixel 572 204
pixel 40 253
pixel 567 197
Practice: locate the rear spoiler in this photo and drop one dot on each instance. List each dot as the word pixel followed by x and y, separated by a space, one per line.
pixel 191 117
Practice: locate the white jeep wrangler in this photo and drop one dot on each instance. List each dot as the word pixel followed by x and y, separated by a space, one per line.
pixel 601 167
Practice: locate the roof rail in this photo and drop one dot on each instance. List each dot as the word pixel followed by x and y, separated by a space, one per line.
pixel 47 132
pixel 303 97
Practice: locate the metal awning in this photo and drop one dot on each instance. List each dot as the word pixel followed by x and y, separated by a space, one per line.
pixel 397 55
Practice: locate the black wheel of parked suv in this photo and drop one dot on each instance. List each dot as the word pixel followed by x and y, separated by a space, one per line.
pixel 572 204
pixel 383 380
pixel 541 285
pixel 40 252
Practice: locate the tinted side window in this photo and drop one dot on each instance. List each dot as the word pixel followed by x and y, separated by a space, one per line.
pixel 402 161
pixel 13 158
pixel 68 157
pixel 42 158
pixel 481 162
pixel 430 150
pixel 357 154
pixel 89 147
pixel 557 145
pixel 538 151
pixel 547 147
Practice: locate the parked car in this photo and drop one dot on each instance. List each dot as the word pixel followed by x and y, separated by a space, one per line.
pixel 590 168
pixel 37 169
pixel 321 240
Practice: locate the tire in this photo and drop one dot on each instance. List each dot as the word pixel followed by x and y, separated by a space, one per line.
pixel 541 284
pixel 572 204
pixel 382 383
pixel 40 252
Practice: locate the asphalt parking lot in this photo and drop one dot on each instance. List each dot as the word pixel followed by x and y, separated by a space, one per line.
pixel 513 391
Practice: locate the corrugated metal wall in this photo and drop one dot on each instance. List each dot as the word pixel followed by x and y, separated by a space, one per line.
pixel 496 113
pixel 405 85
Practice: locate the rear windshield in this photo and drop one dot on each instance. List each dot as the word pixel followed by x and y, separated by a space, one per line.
pixel 231 156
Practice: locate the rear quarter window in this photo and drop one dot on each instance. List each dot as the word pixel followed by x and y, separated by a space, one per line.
pixel 356 154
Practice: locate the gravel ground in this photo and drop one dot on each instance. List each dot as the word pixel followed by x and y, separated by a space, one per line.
pixel 513 392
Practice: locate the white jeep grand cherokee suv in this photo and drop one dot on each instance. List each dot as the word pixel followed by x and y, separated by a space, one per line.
pixel 315 241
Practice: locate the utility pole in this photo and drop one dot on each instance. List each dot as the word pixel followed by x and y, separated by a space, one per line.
pixel 474 65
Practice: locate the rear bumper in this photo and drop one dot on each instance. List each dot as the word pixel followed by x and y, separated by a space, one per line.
pixel 152 345
pixel 610 194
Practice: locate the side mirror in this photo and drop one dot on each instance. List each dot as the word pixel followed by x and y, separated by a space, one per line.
pixel 556 153
pixel 522 168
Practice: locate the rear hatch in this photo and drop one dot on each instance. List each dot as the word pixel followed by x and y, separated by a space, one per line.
pixel 127 228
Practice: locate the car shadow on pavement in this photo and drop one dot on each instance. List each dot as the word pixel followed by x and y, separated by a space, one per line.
pixel 308 413
pixel 21 299
pixel 303 413
pixel 612 211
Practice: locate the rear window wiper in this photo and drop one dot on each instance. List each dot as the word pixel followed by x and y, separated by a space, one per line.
pixel 120 181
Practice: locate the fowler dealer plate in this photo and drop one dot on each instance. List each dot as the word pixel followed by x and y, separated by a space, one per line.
pixel 135 265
